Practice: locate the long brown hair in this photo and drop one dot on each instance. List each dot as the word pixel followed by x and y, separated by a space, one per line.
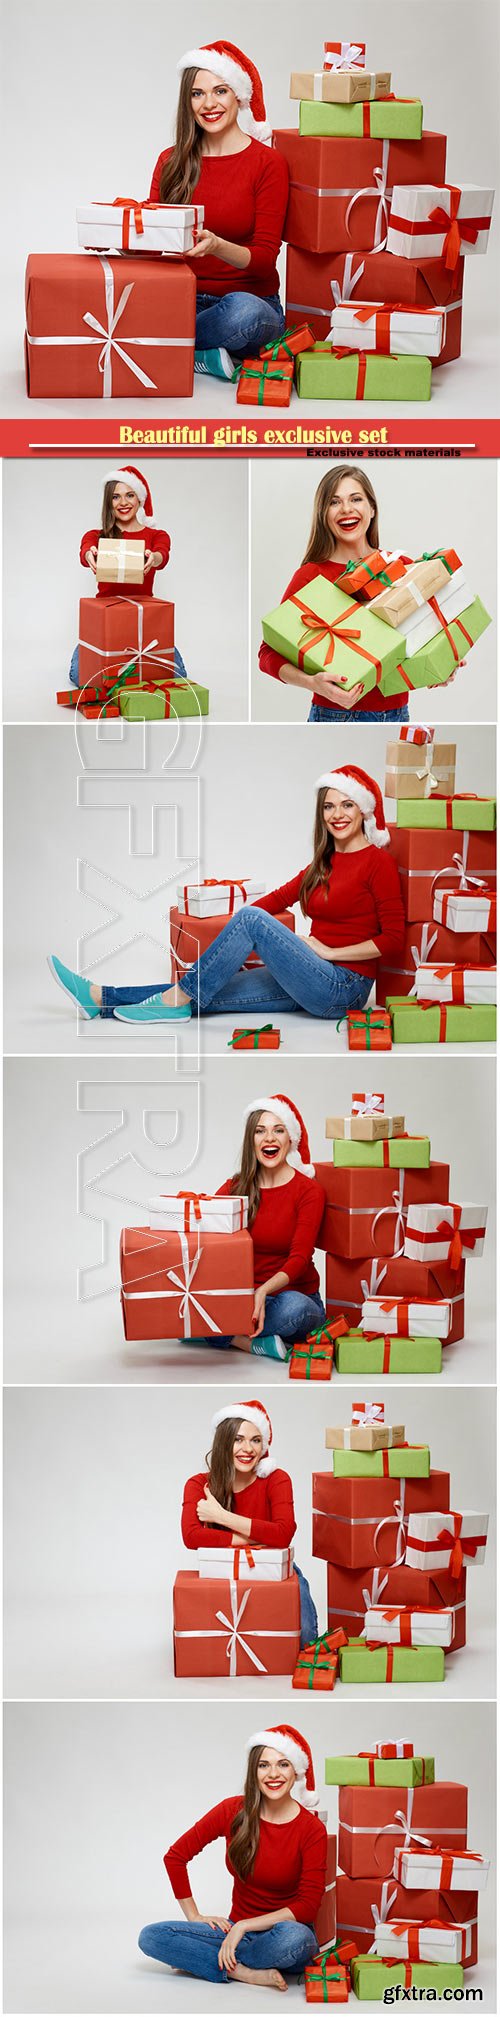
pixel 180 174
pixel 321 540
pixel 246 1182
pixel 220 1461
pixel 109 527
pixel 323 852
pixel 244 1838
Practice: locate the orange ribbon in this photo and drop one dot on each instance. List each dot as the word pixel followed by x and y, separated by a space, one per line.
pixel 132 208
pixel 454 232
pixel 434 605
pixel 192 1198
pixel 216 882
pixel 320 629
pixel 458 1239
pixel 402 1317
pixel 461 1546
pixel 388 99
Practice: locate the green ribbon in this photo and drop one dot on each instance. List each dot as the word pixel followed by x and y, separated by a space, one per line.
pixel 319 1973
pixel 365 1020
pixel 272 350
pixel 311 1658
pixel 264 1031
pixel 438 555
pixel 307 1352
pixel 375 573
pixel 263 372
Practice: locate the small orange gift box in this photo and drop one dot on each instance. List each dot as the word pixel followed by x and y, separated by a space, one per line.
pixel 365 579
pixel 265 1039
pixel 327 1980
pixel 228 1628
pixel 290 344
pixel 369 1030
pixel 265 383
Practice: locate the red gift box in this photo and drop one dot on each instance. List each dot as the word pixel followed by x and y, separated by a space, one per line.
pixel 317 1666
pixel 326 173
pixel 115 629
pixel 363 1522
pixel 290 344
pixel 366 579
pixel 428 860
pixel 190 936
pixel 369 1030
pixel 362 1901
pixel 351 1592
pixel 265 1039
pixel 432 941
pixel 265 382
pixel 365 1210
pixel 325 1925
pixel 186 1285
pixel 375 1820
pixel 231 1628
pixel 314 282
pixel 101 328
pixel 326 1981
pixel 345 1282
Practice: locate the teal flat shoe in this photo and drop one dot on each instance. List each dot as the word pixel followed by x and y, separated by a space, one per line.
pixel 269 1348
pixel 154 1010
pixel 213 364
pixel 74 985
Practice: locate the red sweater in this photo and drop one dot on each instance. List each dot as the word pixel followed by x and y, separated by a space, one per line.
pixel 270 660
pixel 362 899
pixel 244 198
pixel 267 1503
pixel 289 1868
pixel 155 541
pixel 287 1223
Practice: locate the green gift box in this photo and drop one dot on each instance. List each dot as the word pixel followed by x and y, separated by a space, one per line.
pixel 357 1354
pixel 467 813
pixel 442 1022
pixel 404 1152
pixel 434 662
pixel 379 1771
pixel 324 373
pixel 369 1665
pixel 387 118
pixel 320 626
pixel 409 1461
pixel 372 1978
pixel 180 697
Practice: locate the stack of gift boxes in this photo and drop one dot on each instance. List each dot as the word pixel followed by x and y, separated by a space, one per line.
pixel 189 1273
pixel 237 1614
pixel 126 649
pixel 376 237
pixel 114 320
pixel 395 1244
pixel 200 914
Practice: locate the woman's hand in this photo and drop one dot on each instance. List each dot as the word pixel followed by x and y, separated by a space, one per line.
pixel 207 246
pixel 259 1309
pixel 217 1923
pixel 152 560
pixel 323 951
pixel 338 695
pixel 227 1953
pixel 208 1508
pixel 91 558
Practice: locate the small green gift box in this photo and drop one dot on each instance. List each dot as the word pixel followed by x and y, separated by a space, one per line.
pixel 319 626
pixel 465 812
pixel 371 1771
pixel 381 119
pixel 441 1022
pixel 357 1354
pixel 404 1152
pixel 372 1978
pixel 434 662
pixel 409 1461
pixel 369 1665
pixel 325 373
pixel 180 697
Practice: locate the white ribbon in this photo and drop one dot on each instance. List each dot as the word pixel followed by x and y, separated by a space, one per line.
pixel 371 1288
pixel 398 1746
pixel 105 358
pixel 459 867
pixel 372 1596
pixel 397 1518
pixel 382 216
pixel 367 1103
pixel 420 954
pixel 400 1210
pixel 381 1912
pixel 235 1636
pixel 189 1270
pixel 373 1411
pixel 351 57
pixel 343 289
pixel 430 778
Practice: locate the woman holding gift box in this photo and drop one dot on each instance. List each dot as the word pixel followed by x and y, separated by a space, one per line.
pixel 344 528
pixel 127 513
pixel 244 1497
pixel 276 1855
pixel 243 186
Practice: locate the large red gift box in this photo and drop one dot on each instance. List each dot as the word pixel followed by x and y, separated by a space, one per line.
pixel 325 173
pixel 231 1628
pixel 423 855
pixel 354 1198
pixel 420 945
pixel 351 1592
pixel 345 1292
pixel 361 1901
pixel 360 1522
pixel 373 276
pixel 180 1285
pixel 190 936
pixel 117 628
pixel 374 1821
pixel 101 328
pixel 325 1925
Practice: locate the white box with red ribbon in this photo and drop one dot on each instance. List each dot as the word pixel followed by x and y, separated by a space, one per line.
pixel 450 1540
pixel 457 984
pixel 245 1564
pixel 184 1211
pixel 390 332
pixel 424 624
pixel 441 1869
pixel 450 1233
pixel 402 1625
pixel 127 226
pixel 467 910
pixel 429 222
pixel 214 898
pixel 436 1940
pixel 398 1319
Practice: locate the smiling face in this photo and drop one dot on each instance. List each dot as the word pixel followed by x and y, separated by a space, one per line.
pixel 275 1775
pixel 342 818
pixel 247 1449
pixel 124 505
pixel 213 104
pixel 271 1142
pixel 350 512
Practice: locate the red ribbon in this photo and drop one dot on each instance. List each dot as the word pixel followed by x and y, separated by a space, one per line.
pixel 458 1238
pixel 402 1316
pixel 362 357
pixel 454 232
pixel 132 208
pixel 192 1198
pixel 460 1546
pixel 434 605
pixel 217 882
pixel 249 1558
pixel 335 631
pixel 388 99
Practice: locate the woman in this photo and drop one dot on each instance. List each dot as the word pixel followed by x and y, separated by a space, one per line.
pixel 344 527
pixel 285 1209
pixel 127 513
pixel 243 186
pixel 351 893
pixel 243 1497
pixel 276 1857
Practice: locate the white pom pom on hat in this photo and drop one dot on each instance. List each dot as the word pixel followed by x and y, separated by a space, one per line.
pixel 134 481
pixel 365 793
pixel 285 1111
pixel 240 74
pixel 289 1742
pixel 256 1413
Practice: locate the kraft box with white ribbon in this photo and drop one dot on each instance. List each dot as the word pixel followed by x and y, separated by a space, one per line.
pixel 121 226
pixel 340 87
pixel 99 328
pixel 411 772
pixel 121 560
pixel 186 1285
pixel 245 1564
pixel 231 1628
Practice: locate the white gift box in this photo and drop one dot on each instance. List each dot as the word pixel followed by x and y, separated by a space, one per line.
pixel 435 1942
pixel 435 983
pixel 139 227
pixel 397 1318
pixel 245 1564
pixel 412 206
pixel 420 1870
pixel 465 909
pixel 427 1628
pixel 433 1230
pixel 414 332
pixel 217 899
pixel 452 600
pixel 434 1540
pixel 174 1214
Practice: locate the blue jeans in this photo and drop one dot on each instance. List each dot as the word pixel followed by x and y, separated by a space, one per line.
pixel 325 714
pixel 194 1948
pixel 309 1628
pixel 286 1315
pixel 294 978
pixel 179 666
pixel 238 322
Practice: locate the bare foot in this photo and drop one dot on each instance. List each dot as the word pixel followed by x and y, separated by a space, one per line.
pixel 96 993
pixel 260 1978
pixel 243 1344
pixel 175 997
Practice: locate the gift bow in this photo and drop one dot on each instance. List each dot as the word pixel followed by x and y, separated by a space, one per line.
pixel 447 221
pixel 459 1544
pixel 399 1519
pixel 458 867
pixel 193 1198
pixel 382 214
pixel 420 954
pixel 321 629
pixel 184 1284
pixel 264 1030
pixel 371 1596
pixel 264 372
pixel 401 1211
pixel 371 1288
pixel 459 1237
pixel 343 290
pixel 113 315
pixel 380 1913
pixel 373 1411
pixel 367 1103
pixel 236 1639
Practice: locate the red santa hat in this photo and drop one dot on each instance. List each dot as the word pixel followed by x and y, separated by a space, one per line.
pixel 285 1110
pixel 291 1745
pixel 134 481
pixel 365 792
pixel 228 62
pixel 256 1413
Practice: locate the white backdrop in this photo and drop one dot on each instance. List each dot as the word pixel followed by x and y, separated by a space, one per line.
pixel 419 510
pixel 108 155
pixel 205 510
pixel 177 1134
pixel 95 1794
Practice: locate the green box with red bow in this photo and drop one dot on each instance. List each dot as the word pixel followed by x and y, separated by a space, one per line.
pixel 320 627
